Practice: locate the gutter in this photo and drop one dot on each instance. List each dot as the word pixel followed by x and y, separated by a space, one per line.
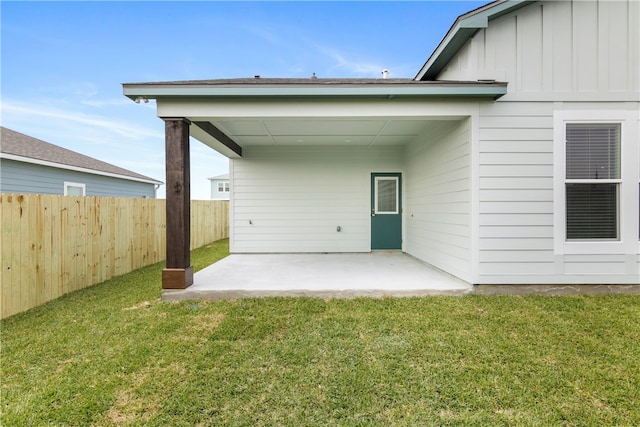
pixel 144 92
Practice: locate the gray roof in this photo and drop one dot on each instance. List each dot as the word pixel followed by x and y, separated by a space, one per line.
pixel 18 144
pixel 312 81
pixel 220 177
pixel 312 87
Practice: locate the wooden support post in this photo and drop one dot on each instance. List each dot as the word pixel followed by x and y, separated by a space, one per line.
pixel 179 273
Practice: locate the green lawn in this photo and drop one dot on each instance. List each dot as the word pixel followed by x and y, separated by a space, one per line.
pixel 114 354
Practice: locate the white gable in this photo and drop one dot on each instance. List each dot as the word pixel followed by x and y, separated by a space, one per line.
pixel 558 50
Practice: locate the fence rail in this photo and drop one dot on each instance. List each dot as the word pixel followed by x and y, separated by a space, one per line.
pixel 52 245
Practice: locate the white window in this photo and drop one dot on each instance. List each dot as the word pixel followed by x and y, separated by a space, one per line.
pixel 596 163
pixel 592 181
pixel 74 189
pixel 223 187
pixel 386 195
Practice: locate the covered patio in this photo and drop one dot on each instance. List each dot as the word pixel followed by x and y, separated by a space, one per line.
pixel 375 274
pixel 307 158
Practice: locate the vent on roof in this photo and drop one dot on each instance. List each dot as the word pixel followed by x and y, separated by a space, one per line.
pixel 385 73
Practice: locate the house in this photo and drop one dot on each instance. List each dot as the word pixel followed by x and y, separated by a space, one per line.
pixel 30 165
pixel 219 187
pixel 511 158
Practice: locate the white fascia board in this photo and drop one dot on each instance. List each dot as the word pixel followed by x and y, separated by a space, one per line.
pixel 463 29
pixel 74 168
pixel 453 90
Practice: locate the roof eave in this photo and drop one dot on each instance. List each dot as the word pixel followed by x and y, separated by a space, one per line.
pixel 48 163
pixel 463 29
pixel 491 90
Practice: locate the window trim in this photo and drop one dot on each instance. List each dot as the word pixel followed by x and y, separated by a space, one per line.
pixel 396 180
pixel 628 210
pixel 68 184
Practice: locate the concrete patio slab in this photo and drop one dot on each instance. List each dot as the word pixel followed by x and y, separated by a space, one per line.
pixel 376 274
pixel 556 289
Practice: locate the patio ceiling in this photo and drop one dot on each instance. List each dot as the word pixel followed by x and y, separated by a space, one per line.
pixel 318 131
pixel 230 114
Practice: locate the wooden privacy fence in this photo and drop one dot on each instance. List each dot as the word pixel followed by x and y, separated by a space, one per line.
pixel 52 245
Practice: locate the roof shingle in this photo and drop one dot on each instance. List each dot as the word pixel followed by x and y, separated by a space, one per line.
pixel 19 144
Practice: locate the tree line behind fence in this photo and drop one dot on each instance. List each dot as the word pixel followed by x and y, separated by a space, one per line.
pixel 52 245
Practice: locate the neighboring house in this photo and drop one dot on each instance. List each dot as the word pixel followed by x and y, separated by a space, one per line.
pixel 30 165
pixel 511 158
pixel 220 187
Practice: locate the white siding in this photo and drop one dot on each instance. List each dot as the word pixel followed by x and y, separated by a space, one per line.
pixel 555 55
pixel 438 198
pixel 292 199
pixel 516 202
pixel 558 50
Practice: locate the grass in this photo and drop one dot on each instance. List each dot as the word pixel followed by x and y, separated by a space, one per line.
pixel 114 354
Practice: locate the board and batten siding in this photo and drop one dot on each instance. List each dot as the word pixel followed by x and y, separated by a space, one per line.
pixel 293 199
pixel 27 178
pixel 558 51
pixel 438 198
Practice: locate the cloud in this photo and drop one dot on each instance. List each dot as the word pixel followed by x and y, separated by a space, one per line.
pixel 98 103
pixel 85 89
pixel 263 33
pixel 26 113
pixel 135 143
pixel 350 66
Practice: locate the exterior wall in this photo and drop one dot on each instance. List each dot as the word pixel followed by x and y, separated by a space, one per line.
pixel 438 198
pixel 218 195
pixel 519 228
pixel 558 51
pixel 516 194
pixel 292 199
pixel 26 178
pixel 580 57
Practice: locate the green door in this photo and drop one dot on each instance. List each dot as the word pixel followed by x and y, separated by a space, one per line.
pixel 386 212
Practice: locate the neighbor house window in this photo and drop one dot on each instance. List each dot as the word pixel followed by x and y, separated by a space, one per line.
pixel 223 187
pixel 74 189
pixel 592 181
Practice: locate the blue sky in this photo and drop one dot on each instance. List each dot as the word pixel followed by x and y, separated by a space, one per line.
pixel 63 63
